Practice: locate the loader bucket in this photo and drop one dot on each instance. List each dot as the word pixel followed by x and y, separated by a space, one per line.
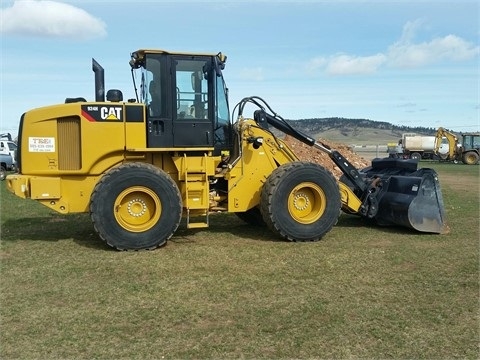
pixel 409 197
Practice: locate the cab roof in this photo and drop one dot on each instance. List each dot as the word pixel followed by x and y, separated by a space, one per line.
pixel 137 57
pixel 142 52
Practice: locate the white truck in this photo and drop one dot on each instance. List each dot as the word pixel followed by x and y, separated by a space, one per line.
pixel 6 163
pixel 8 147
pixel 421 147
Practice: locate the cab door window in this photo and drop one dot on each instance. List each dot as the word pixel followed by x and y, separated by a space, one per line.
pixel 191 90
pixel 193 99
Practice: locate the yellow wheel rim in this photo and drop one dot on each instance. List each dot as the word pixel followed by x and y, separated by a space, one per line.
pixel 137 209
pixel 307 203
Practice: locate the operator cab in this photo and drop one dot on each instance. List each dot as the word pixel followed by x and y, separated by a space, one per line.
pixel 185 98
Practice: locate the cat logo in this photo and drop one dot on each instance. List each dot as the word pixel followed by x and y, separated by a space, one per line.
pixel 111 112
pixel 94 113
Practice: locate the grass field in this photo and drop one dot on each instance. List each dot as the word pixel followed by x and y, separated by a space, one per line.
pixel 235 291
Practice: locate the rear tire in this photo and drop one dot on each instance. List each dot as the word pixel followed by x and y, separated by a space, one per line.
pixel 300 201
pixel 136 206
pixel 3 173
pixel 416 156
pixel 470 158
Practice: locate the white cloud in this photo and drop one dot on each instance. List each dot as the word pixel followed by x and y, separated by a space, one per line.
pixel 450 47
pixel 45 18
pixel 402 54
pixel 354 65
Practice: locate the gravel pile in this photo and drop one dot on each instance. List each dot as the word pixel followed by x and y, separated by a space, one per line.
pixel 308 153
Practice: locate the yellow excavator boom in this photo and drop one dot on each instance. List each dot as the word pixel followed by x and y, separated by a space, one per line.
pixel 452 142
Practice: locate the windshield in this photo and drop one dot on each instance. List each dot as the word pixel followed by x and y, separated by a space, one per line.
pixel 222 128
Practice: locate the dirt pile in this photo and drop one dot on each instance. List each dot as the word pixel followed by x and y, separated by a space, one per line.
pixel 308 153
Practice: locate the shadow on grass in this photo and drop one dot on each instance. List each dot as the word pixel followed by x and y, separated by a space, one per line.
pixel 79 228
pixel 354 221
pixel 53 228
pixel 226 224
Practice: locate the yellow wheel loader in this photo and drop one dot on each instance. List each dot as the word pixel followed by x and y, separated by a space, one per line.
pixel 140 166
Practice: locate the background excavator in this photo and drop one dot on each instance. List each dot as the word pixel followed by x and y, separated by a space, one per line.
pixel 466 150
pixel 140 166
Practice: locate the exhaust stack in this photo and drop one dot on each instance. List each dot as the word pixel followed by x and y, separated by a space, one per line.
pixel 99 81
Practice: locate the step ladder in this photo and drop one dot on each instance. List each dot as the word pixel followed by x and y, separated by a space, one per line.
pixel 196 187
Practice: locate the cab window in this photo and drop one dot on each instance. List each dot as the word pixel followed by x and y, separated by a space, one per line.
pixel 191 90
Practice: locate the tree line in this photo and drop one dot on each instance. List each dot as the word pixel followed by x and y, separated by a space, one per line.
pixel 324 124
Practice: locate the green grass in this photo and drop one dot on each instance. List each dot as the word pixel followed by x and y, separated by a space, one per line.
pixel 235 291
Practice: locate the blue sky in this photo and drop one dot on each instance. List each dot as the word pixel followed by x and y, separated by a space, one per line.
pixel 413 63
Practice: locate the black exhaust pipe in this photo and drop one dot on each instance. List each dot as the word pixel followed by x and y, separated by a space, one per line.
pixel 99 81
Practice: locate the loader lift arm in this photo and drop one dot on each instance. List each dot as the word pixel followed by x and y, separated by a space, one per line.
pixel 361 200
pixel 347 168
pixel 263 119
pixel 358 194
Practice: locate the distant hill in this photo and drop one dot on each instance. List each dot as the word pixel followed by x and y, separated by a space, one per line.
pixel 356 131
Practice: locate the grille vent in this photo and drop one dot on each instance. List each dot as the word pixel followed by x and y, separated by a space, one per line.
pixel 69 144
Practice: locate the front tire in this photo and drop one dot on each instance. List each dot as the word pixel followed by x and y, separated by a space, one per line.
pixel 136 206
pixel 300 201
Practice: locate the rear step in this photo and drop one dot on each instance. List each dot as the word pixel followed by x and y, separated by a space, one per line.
pixel 197 214
pixel 197 225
